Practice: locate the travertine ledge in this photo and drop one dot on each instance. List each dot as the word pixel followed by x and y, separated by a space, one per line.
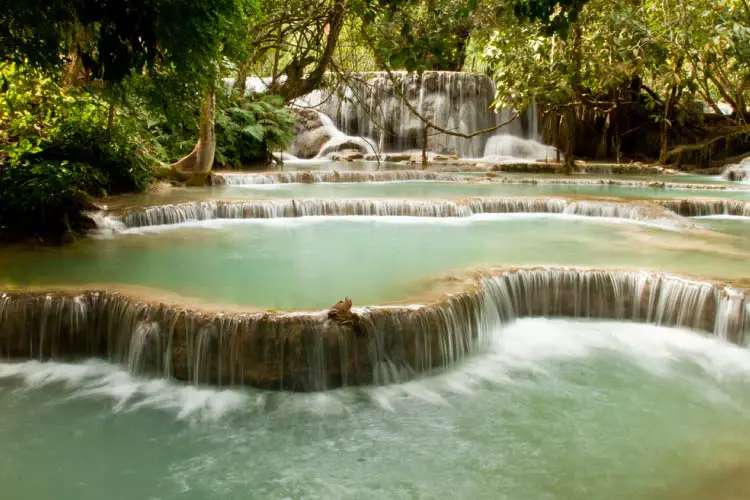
pixel 304 351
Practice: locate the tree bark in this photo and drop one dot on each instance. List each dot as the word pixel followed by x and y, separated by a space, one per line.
pixel 240 81
pixel 195 168
pixel 111 117
pixel 666 124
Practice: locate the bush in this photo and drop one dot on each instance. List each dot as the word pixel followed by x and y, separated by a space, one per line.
pixel 57 148
pixel 45 200
pixel 250 129
pixel 113 153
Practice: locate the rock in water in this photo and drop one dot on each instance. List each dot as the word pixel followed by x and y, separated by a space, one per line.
pixel 310 134
pixel 739 172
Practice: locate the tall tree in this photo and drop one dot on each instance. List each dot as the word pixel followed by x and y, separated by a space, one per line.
pixel 111 41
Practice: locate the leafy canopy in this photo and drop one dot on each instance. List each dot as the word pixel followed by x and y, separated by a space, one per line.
pixel 117 38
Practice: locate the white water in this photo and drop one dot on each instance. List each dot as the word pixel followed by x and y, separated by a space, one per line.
pixel 555 408
pixel 125 392
pixel 339 141
pixel 504 146
pixel 534 345
pixel 373 106
pixel 739 172
pixel 200 211
pixel 700 208
pixel 337 176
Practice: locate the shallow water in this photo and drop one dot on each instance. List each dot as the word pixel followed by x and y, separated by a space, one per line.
pixel 556 410
pixel 312 262
pixel 412 189
pixel 739 226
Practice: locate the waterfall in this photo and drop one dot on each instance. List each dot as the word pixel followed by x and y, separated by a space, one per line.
pixel 702 208
pixel 611 182
pixel 334 176
pixel 340 141
pixel 508 146
pixel 371 105
pixel 739 172
pixel 630 211
pixel 271 209
pixel 306 352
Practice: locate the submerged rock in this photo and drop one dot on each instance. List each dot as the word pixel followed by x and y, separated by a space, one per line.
pixel 397 157
pixel 308 144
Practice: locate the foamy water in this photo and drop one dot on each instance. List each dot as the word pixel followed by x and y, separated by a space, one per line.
pixel 534 345
pixel 663 224
pixel 552 409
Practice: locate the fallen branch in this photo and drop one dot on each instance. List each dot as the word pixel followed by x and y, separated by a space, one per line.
pixel 341 312
pixel 704 144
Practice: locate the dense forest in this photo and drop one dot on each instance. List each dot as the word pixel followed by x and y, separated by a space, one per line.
pixel 103 97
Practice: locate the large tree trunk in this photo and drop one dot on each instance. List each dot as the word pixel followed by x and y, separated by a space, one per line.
pixel 195 168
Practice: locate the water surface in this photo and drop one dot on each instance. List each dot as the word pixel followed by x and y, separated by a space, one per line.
pixel 412 190
pixel 556 410
pixel 312 262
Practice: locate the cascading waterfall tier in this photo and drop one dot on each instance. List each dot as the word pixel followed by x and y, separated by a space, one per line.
pixel 372 105
pixel 308 177
pixel 270 209
pixel 308 352
pixel 619 183
pixel 703 208
pixel 334 176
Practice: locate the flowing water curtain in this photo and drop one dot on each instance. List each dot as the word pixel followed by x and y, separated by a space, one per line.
pixel 306 352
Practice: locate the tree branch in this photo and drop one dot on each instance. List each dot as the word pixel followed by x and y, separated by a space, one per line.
pixel 702 145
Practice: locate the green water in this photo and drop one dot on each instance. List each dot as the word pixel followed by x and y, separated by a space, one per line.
pixel 412 189
pixel 738 226
pixel 314 262
pixel 557 410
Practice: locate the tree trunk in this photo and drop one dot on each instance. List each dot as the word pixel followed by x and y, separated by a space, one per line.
pixel 666 124
pixel 111 117
pixel 240 82
pixel 195 168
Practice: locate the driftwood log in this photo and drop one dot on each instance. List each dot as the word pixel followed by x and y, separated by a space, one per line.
pixel 341 312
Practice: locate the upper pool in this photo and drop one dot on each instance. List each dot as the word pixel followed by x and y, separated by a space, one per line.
pixel 312 262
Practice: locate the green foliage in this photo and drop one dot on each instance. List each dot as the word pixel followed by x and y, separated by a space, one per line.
pixel 699 48
pixel 45 198
pixel 553 16
pixel 248 130
pixel 57 147
pixel 418 35
pixel 117 38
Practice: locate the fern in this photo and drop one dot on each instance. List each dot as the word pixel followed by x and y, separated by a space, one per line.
pixel 248 130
